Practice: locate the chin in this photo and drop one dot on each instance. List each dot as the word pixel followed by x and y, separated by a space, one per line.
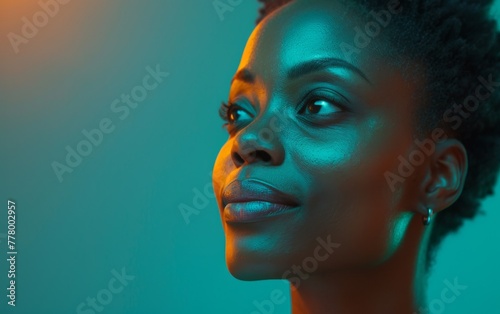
pixel 249 271
pixel 251 265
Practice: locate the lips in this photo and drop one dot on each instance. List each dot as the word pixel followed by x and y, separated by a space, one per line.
pixel 252 200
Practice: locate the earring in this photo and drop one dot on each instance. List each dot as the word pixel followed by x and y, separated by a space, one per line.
pixel 427 219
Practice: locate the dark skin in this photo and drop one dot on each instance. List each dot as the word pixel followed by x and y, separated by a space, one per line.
pixel 335 132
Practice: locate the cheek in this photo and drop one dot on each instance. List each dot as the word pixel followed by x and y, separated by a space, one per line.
pixel 348 197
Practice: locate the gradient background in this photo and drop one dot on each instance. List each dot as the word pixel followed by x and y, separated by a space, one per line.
pixel 120 206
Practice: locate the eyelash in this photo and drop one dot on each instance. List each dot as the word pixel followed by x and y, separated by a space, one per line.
pixel 224 112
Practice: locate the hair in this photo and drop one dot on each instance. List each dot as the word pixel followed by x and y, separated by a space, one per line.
pixel 458 43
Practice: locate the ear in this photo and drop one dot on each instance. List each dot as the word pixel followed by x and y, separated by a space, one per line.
pixel 445 176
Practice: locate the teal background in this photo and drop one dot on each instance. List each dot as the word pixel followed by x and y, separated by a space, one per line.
pixel 119 207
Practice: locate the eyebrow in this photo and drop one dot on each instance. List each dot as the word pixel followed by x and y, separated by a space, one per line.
pixel 245 75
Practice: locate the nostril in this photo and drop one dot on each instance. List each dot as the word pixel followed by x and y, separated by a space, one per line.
pixel 237 158
pixel 263 155
pixel 251 157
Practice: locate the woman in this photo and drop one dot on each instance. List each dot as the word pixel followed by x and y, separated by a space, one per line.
pixel 360 134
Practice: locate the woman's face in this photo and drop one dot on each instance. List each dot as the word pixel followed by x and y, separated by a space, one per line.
pixel 321 119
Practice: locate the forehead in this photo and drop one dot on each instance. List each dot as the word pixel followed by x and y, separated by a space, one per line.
pixel 303 30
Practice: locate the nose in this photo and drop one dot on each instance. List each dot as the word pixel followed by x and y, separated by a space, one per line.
pixel 258 142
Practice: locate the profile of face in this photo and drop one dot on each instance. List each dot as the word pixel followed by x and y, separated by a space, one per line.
pixel 313 128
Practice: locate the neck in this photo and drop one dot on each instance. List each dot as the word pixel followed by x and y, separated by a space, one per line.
pixel 395 286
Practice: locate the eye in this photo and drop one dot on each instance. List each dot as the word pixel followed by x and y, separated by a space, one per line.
pixel 321 105
pixel 236 114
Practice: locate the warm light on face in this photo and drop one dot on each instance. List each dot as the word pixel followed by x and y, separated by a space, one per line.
pixel 323 128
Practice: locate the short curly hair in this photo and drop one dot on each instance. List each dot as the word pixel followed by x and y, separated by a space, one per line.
pixel 458 43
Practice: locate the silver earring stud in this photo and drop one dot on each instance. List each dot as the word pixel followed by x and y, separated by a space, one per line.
pixel 427 219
